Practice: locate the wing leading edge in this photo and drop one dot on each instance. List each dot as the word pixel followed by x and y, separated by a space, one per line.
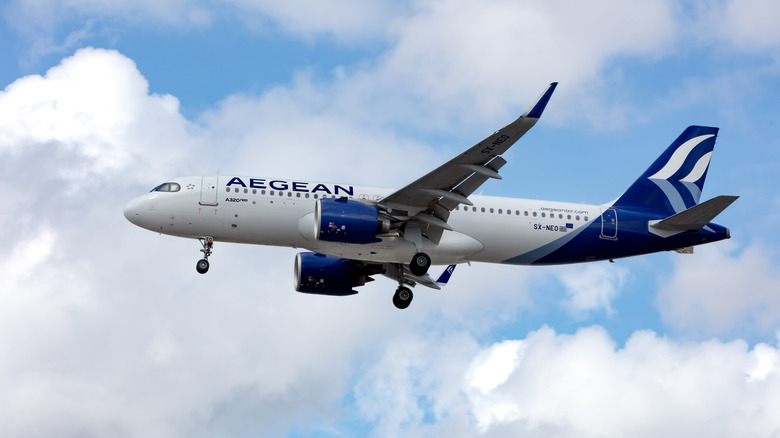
pixel 428 201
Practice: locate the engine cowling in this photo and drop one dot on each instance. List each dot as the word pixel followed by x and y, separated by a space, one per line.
pixel 326 275
pixel 348 221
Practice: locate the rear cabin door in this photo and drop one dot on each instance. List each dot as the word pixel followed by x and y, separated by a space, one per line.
pixel 208 191
pixel 609 224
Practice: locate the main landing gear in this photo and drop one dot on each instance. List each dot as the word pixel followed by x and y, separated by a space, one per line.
pixel 203 264
pixel 403 297
pixel 420 264
pixel 419 267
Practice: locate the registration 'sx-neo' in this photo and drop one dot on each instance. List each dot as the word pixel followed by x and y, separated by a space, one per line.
pixel 356 232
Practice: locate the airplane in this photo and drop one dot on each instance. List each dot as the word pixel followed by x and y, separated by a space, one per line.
pixel 352 233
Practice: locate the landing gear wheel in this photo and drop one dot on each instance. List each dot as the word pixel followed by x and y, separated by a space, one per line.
pixel 403 297
pixel 202 266
pixel 420 264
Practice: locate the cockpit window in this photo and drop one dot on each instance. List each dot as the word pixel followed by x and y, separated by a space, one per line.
pixel 167 187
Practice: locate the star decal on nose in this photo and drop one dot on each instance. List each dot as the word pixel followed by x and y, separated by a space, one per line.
pixel 190 186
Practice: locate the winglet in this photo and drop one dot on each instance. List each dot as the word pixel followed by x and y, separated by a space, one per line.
pixel 445 276
pixel 536 110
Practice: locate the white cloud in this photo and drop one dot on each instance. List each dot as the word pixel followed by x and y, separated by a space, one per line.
pixel 495 365
pixel 448 63
pixel 268 134
pixel 453 64
pixel 101 332
pixel 94 106
pixel 60 26
pixel 592 287
pixel 484 55
pixel 720 290
pixel 741 25
pixel 348 21
pixel 583 384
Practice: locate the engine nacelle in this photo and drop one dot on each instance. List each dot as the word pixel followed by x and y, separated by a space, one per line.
pixel 326 275
pixel 349 221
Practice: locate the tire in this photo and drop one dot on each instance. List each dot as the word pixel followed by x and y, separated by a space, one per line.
pixel 420 264
pixel 202 266
pixel 402 297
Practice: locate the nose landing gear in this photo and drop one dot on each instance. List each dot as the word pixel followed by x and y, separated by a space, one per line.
pixel 203 264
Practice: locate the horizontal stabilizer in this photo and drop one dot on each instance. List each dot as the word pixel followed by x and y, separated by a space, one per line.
pixel 696 217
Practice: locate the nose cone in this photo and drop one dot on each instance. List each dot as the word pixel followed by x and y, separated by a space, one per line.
pixel 133 212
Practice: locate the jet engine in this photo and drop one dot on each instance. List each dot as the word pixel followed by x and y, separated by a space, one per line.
pixel 326 275
pixel 348 221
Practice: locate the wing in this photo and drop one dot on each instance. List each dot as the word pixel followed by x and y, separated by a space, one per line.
pixel 430 199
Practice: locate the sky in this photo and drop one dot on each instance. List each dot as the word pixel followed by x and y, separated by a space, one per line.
pixel 107 330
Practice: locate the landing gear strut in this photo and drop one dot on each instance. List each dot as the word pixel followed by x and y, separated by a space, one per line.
pixel 403 295
pixel 203 264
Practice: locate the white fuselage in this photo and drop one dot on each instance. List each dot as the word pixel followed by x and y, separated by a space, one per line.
pixel 281 213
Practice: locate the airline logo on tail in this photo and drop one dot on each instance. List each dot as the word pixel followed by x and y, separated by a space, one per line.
pixel 673 183
pixel 693 181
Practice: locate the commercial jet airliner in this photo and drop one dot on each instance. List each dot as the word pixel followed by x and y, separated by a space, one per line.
pixel 353 233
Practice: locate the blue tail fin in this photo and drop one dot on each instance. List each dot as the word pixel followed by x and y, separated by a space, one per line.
pixel 674 182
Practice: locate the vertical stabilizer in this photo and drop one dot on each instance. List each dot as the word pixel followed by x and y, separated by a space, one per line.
pixel 673 183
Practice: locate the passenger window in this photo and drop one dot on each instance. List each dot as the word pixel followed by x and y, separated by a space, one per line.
pixel 246 190
pixel 543 215
pixel 500 211
pixel 271 192
pixel 578 217
pixel 534 214
pixel 568 216
pixel 491 210
pixel 254 191
pixel 586 218
pixel 307 196
pixel 297 195
pixel 483 209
